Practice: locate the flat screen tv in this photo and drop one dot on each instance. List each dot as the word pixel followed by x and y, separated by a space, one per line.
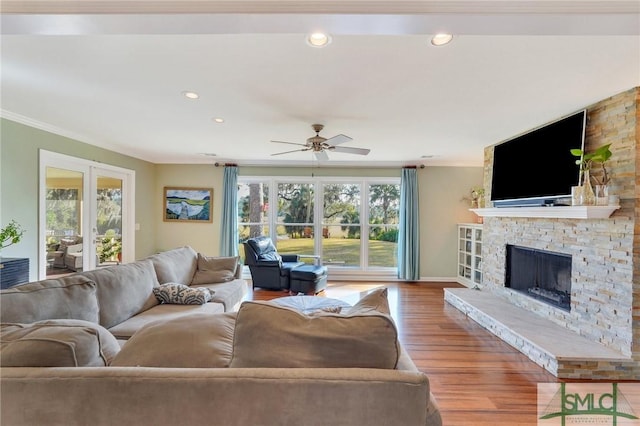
pixel 536 168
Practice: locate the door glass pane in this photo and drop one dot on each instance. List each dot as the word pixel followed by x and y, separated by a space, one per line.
pixel 384 216
pixel 109 221
pixel 294 224
pixel 341 229
pixel 63 220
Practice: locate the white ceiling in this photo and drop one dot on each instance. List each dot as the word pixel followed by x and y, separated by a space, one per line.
pixel 115 79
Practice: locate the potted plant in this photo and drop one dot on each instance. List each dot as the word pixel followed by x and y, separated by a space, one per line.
pixel 111 248
pixel 11 234
pixel 476 197
pixel 586 162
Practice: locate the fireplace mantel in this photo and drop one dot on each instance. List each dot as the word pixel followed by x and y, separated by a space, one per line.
pixel 563 212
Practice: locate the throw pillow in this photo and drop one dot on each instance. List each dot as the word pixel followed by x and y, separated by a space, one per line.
pixel 215 269
pixel 192 341
pixel 56 343
pixel 368 340
pixel 180 294
pixel 374 301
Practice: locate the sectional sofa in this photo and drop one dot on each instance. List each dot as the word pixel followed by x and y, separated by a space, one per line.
pixel 99 348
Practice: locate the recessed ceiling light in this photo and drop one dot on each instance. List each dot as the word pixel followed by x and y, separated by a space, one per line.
pixel 318 39
pixel 427 156
pixel 441 39
pixel 209 154
pixel 218 119
pixel 190 95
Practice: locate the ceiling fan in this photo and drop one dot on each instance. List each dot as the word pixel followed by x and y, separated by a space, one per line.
pixel 320 145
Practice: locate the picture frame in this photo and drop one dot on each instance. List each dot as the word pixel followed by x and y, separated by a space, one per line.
pixel 188 205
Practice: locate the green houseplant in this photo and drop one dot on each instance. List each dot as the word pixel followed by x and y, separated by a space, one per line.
pixel 586 162
pixel 111 247
pixel 476 197
pixel 11 234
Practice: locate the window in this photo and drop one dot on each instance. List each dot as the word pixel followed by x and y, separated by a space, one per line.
pixel 326 217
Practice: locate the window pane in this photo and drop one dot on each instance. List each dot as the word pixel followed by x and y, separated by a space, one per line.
pixel 253 203
pixel 295 228
pixel 295 203
pixel 342 248
pixel 340 224
pixel 384 202
pixel 296 246
pixel 383 246
pixel 341 203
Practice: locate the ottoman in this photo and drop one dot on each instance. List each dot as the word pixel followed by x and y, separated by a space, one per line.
pixel 308 279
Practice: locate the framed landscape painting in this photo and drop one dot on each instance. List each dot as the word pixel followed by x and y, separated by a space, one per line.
pixel 187 204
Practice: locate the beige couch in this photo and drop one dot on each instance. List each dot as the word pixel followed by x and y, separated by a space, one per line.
pixel 181 365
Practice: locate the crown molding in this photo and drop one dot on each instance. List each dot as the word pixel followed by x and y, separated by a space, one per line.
pixel 76 7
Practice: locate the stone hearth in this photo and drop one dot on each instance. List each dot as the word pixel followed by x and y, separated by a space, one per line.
pixel 562 352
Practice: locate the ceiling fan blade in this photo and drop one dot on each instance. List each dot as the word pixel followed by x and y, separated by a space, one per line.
pixel 290 143
pixel 322 156
pixel 350 150
pixel 288 152
pixel 338 139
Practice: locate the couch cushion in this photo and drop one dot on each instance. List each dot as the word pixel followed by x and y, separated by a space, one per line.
pixel 175 266
pixel 368 340
pixel 215 269
pixel 196 341
pixel 373 301
pixel 72 297
pixel 56 343
pixel 124 290
pixel 126 329
pixel 229 294
pixel 180 294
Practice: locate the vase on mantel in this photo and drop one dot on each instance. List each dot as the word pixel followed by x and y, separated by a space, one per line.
pixel 588 196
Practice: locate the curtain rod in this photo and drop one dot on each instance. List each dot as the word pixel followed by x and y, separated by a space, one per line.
pixel 225 164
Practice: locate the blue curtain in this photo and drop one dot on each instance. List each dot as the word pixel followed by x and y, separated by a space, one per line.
pixel 229 224
pixel 409 232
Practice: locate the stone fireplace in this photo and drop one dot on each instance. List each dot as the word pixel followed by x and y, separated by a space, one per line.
pixel 603 304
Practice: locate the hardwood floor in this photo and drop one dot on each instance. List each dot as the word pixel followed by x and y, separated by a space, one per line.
pixel 477 379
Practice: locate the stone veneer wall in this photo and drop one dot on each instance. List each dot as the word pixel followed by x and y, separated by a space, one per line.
pixel 605 253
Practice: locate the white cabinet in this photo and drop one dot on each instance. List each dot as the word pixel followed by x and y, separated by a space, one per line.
pixel 470 254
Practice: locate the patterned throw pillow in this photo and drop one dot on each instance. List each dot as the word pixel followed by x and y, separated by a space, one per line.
pixel 180 294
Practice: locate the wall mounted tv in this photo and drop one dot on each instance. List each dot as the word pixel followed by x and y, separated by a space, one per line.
pixel 536 168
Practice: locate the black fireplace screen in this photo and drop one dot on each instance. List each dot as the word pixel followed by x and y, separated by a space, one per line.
pixel 543 275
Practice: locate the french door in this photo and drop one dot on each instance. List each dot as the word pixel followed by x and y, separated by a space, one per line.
pixel 86 214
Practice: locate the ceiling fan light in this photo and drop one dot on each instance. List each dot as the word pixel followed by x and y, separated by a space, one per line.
pixel 441 39
pixel 318 39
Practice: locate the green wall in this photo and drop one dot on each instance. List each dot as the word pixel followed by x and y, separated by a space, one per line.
pixel 19 175
pixel 441 191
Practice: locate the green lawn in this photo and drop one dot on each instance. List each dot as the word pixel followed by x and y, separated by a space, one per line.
pixel 341 251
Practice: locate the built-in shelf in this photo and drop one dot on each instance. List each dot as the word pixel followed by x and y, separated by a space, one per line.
pixel 565 212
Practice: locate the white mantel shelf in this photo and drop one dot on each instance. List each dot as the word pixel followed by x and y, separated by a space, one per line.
pixel 564 212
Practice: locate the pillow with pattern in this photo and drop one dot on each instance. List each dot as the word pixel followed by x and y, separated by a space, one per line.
pixel 180 294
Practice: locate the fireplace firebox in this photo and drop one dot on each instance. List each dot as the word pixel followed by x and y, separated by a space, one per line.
pixel 543 275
